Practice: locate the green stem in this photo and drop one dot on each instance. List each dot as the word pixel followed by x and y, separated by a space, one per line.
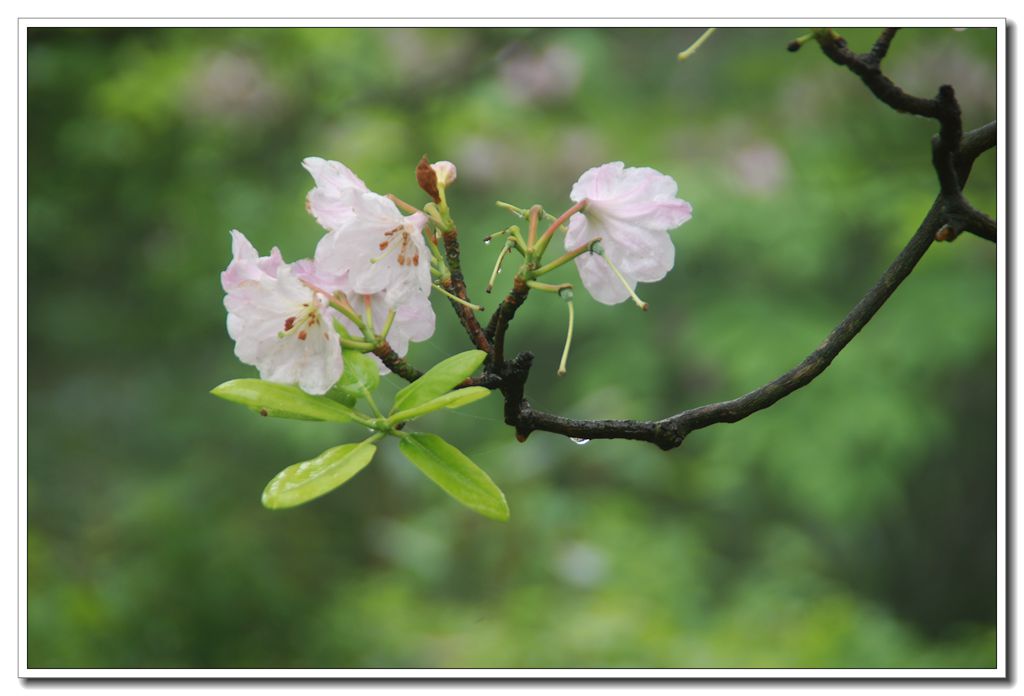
pixel 565 258
pixel 369 400
pixel 683 55
pixel 531 237
pixel 387 324
pixel 568 337
pixel 513 235
pixel 456 298
pixel 549 287
pixel 368 313
pixel 542 243
pixel 497 265
pixel 435 253
pixel 356 345
pixel 403 205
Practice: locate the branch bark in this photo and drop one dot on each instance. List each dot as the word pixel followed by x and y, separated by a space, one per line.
pixel 953 154
pixel 456 285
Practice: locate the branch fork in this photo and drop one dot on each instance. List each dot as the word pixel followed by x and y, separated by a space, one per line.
pixel 953 154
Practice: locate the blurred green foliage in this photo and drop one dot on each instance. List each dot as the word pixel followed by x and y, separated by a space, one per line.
pixel 851 525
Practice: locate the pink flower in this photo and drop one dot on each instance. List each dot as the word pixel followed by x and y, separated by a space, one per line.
pixel 331 201
pixel 279 324
pixel 379 250
pixel 631 210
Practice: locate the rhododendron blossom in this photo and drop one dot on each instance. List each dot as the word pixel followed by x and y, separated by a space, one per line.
pixel 631 210
pixel 279 324
pixel 379 249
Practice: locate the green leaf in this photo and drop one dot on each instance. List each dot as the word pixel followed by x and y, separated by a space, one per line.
pixel 360 373
pixel 438 380
pixel 453 399
pixel 304 481
pixel 455 473
pixel 284 401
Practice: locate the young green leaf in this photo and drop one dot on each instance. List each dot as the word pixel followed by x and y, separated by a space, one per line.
pixel 438 380
pixel 455 473
pixel 284 401
pixel 304 481
pixel 453 399
pixel 360 373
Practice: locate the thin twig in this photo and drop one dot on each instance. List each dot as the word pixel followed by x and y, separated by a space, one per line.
pixel 953 156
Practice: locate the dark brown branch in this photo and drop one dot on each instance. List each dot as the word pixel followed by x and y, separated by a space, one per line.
pixel 394 362
pixel 869 72
pixel 972 145
pixel 953 155
pixel 504 314
pixel 669 432
pixel 456 285
pixel 881 46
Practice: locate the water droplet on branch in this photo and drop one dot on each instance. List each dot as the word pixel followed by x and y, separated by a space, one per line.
pixel 580 440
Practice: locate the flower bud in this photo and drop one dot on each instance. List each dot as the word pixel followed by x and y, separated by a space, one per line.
pixel 445 171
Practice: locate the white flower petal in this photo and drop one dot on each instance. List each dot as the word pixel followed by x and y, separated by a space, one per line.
pixel 600 281
pixel 337 192
pixel 260 310
pixel 246 263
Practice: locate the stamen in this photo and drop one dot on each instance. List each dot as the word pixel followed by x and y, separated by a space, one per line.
pixel 497 265
pixel 567 295
pixel 368 313
pixel 456 298
pixel 683 55
pixel 598 249
pixel 386 246
pixel 307 317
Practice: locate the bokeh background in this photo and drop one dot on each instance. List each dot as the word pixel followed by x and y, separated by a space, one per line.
pixel 851 525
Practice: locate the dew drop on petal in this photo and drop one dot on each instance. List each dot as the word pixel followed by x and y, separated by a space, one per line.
pixel 580 440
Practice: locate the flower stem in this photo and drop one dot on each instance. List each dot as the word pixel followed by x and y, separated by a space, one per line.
pixel 548 287
pixel 368 313
pixel 357 345
pixel 531 236
pixel 456 298
pixel 387 325
pixel 513 235
pixel 542 243
pixel 435 253
pixel 403 205
pixel 565 258
pixel 683 55
pixel 515 210
pixel 497 264
pixel 373 404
